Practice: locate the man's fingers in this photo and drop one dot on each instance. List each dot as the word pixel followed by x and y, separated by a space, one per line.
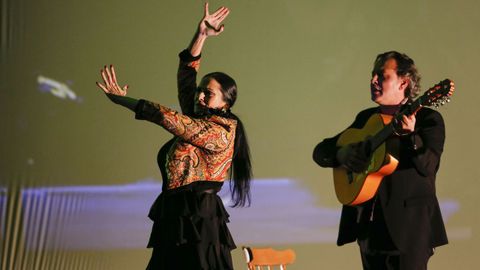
pixel 357 165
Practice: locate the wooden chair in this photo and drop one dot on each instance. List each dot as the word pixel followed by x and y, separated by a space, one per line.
pixel 268 258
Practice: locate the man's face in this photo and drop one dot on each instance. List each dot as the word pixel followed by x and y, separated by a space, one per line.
pixel 386 87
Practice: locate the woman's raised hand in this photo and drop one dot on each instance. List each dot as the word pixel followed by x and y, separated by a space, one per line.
pixel 110 84
pixel 210 25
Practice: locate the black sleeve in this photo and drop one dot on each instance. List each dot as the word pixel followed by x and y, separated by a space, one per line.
pixel 187 81
pixel 325 152
pixel 426 143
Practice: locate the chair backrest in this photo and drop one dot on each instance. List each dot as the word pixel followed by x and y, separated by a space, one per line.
pixel 268 258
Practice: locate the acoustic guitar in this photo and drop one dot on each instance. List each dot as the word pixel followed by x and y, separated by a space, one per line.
pixel 355 188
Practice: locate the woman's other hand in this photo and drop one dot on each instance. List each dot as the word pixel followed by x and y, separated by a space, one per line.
pixel 110 85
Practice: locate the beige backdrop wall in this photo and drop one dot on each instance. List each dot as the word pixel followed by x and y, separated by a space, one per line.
pixel 303 70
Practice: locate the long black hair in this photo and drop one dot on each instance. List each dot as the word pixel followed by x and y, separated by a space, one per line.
pixel 241 171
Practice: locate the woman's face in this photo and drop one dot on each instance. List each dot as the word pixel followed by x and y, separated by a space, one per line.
pixel 209 96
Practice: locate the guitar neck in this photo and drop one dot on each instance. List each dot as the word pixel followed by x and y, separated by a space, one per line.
pixel 389 129
pixel 380 137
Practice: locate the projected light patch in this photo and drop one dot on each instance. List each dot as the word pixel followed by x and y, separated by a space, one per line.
pixel 56 88
pixel 106 217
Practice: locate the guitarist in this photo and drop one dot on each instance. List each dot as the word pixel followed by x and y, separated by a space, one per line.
pixel 401 225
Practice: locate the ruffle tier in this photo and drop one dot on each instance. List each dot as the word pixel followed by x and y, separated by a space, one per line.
pixel 190 229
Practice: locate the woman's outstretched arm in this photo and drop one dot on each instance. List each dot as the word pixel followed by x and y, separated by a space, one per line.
pixel 214 135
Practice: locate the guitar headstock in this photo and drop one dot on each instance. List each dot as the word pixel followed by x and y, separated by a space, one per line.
pixel 439 94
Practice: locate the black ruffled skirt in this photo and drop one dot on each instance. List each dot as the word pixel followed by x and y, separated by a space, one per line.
pixel 190 229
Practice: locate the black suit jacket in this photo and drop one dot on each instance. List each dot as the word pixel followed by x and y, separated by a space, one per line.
pixel 407 196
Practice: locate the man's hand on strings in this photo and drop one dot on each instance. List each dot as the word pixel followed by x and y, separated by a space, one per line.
pixel 354 157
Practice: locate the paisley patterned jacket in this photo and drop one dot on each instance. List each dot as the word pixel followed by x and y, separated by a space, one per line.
pixel 203 147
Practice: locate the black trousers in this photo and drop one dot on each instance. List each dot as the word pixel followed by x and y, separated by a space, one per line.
pixel 391 261
pixel 377 249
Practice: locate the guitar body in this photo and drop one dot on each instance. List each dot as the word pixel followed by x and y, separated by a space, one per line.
pixel 355 188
